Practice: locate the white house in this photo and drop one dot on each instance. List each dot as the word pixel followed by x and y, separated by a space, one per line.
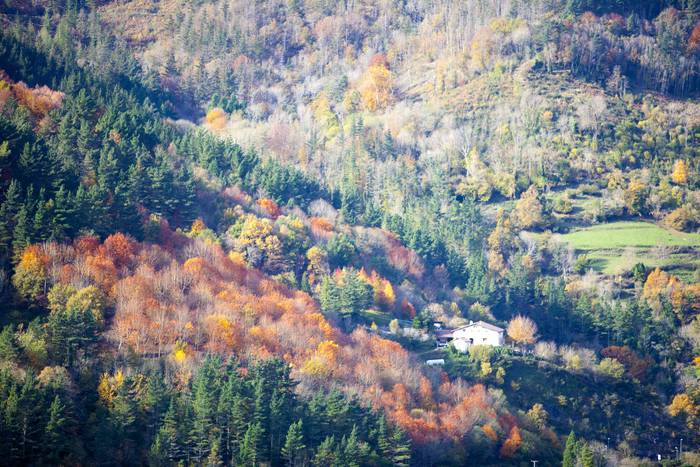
pixel 478 333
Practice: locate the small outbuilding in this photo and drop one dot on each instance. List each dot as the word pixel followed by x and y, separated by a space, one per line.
pixel 436 362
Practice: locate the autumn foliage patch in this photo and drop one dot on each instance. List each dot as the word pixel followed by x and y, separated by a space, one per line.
pixel 174 304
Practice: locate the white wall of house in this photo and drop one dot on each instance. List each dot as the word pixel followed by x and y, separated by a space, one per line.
pixel 461 345
pixel 477 335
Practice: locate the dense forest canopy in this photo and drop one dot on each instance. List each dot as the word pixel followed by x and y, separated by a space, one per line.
pixel 232 233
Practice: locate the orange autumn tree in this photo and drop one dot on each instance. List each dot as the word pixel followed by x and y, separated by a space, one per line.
pixel 661 286
pixel 269 207
pixel 634 365
pixel 384 295
pixel 512 443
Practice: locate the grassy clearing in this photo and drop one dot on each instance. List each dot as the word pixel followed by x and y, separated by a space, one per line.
pixel 628 234
pixel 616 247
pixel 381 318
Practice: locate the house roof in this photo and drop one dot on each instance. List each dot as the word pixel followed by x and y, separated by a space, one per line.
pixel 482 324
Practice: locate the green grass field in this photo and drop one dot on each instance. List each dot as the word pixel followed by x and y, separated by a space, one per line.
pixel 629 234
pixel 616 247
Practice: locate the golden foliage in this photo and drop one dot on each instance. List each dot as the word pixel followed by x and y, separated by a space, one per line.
pixel 184 310
pixel 180 352
pixel 30 278
pixel 216 118
pixel 198 226
pixel 661 286
pixel 324 114
pixel 522 330
pixel 529 210
pixel 109 385
pixel 194 265
pixel 490 432
pixel 39 100
pixel 88 300
pixel 680 172
pixel 375 87
pixel 323 361
pixel 384 295
pixel 682 404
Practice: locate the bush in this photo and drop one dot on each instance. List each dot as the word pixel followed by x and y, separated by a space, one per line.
pixel 546 350
pixel 611 367
pixel 577 358
pixel 683 219
pixel 589 189
pixel 563 205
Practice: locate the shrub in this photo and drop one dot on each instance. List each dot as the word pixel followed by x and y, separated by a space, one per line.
pixel 546 350
pixel 563 205
pixel 611 367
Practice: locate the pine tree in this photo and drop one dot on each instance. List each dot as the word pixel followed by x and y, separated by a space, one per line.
pixel 250 454
pixel 214 457
pixel 205 397
pixel 168 436
pixel 351 449
pixel 400 448
pixel 586 457
pixel 61 220
pixel 41 219
pixel 54 443
pixel 107 170
pixel 234 409
pixel 8 212
pixel 569 459
pixel 383 441
pixel 326 454
pixel 8 347
pixel 293 449
pixel 22 234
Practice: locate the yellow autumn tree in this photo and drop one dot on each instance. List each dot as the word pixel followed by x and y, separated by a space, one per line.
pixel 88 300
pixel 323 360
pixel 318 265
pixel 325 116
pixel 198 226
pixel 30 277
pixel 258 243
pixel 478 182
pixel 680 172
pixel 384 294
pixel 684 405
pixel 529 210
pixel 522 330
pixel 216 118
pixel 635 196
pixel 109 385
pixel 180 352
pixel 661 285
pixel 375 86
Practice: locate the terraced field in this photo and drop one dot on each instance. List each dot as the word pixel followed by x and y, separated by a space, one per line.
pixel 616 247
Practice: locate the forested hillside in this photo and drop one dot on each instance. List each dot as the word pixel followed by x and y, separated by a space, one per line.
pixel 231 232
